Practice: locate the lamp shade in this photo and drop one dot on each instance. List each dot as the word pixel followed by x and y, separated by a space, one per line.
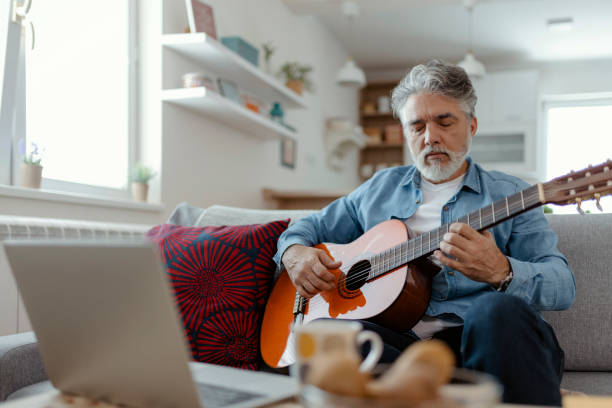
pixel 351 75
pixel 472 66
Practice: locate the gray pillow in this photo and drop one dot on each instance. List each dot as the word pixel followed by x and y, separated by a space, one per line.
pixel 185 214
pixel 216 215
pixel 189 216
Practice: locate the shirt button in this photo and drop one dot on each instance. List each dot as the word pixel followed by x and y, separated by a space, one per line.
pixel 451 273
pixel 446 208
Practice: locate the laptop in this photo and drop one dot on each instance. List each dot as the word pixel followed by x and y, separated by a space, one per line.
pixel 108 329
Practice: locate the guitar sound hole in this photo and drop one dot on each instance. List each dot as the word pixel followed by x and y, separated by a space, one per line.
pixel 357 275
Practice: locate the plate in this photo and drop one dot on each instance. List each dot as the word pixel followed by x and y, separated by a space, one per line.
pixel 467 389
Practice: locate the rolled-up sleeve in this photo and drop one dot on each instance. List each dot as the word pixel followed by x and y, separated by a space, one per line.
pixel 339 223
pixel 542 276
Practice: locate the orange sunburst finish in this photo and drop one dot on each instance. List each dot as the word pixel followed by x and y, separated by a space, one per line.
pixel 397 295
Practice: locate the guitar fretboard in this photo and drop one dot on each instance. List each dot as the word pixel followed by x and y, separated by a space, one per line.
pixel 479 220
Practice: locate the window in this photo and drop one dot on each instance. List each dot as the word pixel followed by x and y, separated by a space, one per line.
pixel 80 93
pixel 578 134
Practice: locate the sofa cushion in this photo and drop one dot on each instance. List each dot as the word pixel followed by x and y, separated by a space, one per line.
pixel 224 215
pixel 221 277
pixel 20 363
pixel 187 215
pixel 32 389
pixel 584 330
pixel 589 382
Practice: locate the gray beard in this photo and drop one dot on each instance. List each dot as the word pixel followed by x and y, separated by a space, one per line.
pixel 436 172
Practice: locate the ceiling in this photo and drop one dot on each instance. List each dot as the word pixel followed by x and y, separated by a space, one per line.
pixel 392 34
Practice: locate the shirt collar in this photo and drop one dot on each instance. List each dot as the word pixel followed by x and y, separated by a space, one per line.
pixel 471 179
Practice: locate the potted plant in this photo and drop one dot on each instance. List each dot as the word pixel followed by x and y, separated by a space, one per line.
pixel 296 76
pixel 30 169
pixel 141 175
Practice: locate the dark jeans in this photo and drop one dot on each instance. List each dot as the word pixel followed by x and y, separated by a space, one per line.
pixel 503 336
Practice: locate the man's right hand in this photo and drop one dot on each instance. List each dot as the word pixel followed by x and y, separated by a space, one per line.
pixel 308 269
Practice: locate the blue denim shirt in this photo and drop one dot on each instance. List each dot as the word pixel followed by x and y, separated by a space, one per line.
pixel 541 274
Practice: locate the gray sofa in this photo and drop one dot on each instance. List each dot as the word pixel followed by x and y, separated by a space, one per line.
pixel 584 331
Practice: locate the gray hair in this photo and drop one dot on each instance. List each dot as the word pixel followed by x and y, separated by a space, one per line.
pixel 437 77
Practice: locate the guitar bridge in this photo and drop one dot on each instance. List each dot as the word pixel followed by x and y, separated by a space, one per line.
pixel 299 305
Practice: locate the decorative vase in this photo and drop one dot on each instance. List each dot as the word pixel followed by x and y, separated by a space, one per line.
pixel 140 191
pixel 276 114
pixel 268 67
pixel 295 85
pixel 30 175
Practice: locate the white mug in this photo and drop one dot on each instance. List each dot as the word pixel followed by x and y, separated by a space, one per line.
pixel 325 336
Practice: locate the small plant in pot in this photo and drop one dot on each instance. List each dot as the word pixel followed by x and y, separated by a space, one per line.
pixel 30 169
pixel 141 175
pixel 297 76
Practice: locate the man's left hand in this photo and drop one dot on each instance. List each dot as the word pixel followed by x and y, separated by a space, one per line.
pixel 475 254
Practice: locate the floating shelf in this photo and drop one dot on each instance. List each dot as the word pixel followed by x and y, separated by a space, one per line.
pixel 226 111
pixel 224 62
pixel 300 199
pixel 377 115
pixel 383 146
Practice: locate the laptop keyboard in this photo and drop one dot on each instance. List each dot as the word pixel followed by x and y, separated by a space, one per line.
pixel 214 396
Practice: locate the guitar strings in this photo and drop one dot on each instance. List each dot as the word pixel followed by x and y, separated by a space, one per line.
pixel 359 273
pixel 395 258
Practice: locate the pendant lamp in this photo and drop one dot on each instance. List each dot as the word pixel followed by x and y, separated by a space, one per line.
pixel 469 63
pixel 350 74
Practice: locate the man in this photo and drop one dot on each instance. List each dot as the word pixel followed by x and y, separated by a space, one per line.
pixel 486 298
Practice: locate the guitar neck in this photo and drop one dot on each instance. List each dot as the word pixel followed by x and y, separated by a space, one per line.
pixel 480 220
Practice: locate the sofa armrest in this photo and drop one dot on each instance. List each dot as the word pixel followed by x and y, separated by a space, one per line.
pixel 20 363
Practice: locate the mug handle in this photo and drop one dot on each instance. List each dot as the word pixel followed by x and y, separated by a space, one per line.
pixel 376 349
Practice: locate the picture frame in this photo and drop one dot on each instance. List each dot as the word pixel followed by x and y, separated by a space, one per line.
pixel 288 152
pixel 230 90
pixel 200 18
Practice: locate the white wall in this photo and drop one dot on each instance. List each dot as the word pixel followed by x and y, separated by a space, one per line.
pixel 576 77
pixel 557 77
pixel 206 163
pixel 202 161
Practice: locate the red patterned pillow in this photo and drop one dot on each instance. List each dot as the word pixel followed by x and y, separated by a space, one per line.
pixel 221 277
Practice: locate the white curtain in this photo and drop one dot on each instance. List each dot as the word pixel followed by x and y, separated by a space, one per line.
pixel 12 86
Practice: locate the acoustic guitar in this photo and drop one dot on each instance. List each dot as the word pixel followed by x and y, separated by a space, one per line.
pixel 385 276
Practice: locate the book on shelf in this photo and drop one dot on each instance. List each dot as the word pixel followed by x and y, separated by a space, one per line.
pixel 394 134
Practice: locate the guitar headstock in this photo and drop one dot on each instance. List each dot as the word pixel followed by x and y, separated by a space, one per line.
pixel 590 183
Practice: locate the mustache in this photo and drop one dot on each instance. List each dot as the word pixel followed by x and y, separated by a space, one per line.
pixel 433 149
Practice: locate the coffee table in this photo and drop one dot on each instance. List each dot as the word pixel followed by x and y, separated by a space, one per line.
pixel 55 399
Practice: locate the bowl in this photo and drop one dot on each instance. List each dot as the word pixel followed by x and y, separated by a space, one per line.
pixel 467 389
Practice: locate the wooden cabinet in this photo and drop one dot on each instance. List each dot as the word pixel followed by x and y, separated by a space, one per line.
pixel 385 146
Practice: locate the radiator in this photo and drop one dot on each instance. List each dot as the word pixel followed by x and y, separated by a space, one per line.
pixel 15 227
pixel 13 318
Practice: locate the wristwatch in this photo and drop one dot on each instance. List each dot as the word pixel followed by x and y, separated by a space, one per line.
pixel 506 282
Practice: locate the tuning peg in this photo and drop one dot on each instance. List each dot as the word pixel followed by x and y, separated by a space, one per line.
pixel 597 203
pixel 579 209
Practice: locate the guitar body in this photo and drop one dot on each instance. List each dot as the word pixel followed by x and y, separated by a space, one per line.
pixel 396 300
